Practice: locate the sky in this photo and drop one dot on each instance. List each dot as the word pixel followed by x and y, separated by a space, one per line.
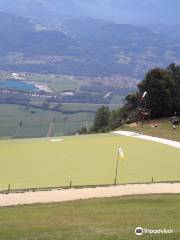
pixel 139 12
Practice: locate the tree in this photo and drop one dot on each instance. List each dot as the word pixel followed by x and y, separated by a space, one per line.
pixel 161 89
pixel 132 101
pixel 175 73
pixel 101 119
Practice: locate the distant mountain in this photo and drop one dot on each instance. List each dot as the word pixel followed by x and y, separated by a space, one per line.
pixel 154 14
pixel 18 34
pixel 84 46
pixel 123 48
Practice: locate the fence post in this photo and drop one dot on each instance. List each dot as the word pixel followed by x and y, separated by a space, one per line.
pixel 9 188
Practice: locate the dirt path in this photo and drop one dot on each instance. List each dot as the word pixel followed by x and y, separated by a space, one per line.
pixel 86 193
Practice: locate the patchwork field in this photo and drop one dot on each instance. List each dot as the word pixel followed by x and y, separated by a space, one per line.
pixel 36 122
pixel 85 160
pixel 99 219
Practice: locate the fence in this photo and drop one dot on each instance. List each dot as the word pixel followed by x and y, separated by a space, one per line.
pixel 38 189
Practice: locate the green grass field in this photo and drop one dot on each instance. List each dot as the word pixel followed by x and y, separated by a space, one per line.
pixel 100 219
pixel 85 160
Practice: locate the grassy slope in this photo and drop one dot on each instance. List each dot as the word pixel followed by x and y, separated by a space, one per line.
pixel 85 160
pixel 101 219
pixel 163 130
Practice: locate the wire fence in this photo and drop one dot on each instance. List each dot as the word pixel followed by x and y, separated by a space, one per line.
pixel 70 186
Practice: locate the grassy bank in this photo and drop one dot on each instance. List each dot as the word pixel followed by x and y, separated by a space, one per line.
pixel 101 219
pixel 163 129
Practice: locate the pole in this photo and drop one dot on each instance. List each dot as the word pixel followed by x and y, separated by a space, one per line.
pixel 145 103
pixel 9 188
pixel 116 172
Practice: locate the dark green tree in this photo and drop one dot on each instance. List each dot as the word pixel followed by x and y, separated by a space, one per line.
pixel 101 121
pixel 161 89
pixel 115 119
pixel 132 101
pixel 175 73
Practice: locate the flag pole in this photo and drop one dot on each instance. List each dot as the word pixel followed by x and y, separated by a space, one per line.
pixel 116 172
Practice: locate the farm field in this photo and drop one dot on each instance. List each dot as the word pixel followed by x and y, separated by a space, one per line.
pixel 84 89
pixel 36 122
pixel 98 219
pixel 86 107
pixel 85 160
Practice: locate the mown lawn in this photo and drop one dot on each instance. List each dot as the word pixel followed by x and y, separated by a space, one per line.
pixel 101 219
pixel 85 160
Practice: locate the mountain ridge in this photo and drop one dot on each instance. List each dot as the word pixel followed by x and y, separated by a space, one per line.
pixel 149 13
pixel 84 47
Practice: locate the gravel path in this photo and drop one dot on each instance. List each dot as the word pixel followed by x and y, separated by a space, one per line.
pixel 86 193
pixel 149 138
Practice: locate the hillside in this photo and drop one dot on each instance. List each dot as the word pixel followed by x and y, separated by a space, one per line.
pixel 163 129
pixel 22 35
pixel 122 48
pixel 84 46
